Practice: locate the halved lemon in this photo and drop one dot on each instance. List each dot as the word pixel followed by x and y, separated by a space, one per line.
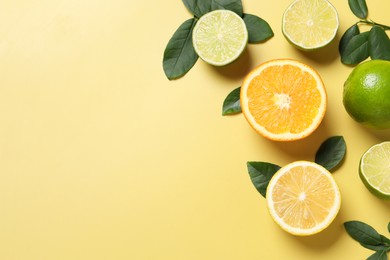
pixel 303 198
pixel 283 99
pixel 219 37
pixel 310 24
pixel 374 170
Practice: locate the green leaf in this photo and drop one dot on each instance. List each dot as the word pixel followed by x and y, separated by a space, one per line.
pixel 198 7
pixel 375 248
pixel 261 173
pixel 331 152
pixel 356 50
pixel 347 36
pixel 363 233
pixel 384 245
pixel 180 55
pixel 258 29
pixel 201 7
pixel 378 255
pixel 232 5
pixel 231 104
pixel 358 8
pixel 385 241
pixel 388 227
pixel 378 44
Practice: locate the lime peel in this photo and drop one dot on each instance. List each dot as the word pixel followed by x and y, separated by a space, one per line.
pixel 366 94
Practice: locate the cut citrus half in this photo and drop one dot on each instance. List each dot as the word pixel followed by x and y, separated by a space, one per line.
pixel 310 24
pixel 374 170
pixel 219 37
pixel 283 99
pixel 303 198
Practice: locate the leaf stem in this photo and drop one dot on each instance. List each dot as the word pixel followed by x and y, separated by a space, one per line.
pixel 371 22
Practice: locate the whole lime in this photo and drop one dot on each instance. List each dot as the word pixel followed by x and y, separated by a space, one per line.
pixel 366 95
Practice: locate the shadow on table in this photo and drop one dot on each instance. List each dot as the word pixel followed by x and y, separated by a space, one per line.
pixel 238 69
pixel 326 238
pixel 326 54
pixel 306 148
pixel 383 135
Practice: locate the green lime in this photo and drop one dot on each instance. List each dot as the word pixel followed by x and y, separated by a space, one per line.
pixel 310 24
pixel 219 37
pixel 374 170
pixel 366 95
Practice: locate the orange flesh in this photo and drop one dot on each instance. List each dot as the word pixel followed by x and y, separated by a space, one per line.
pixel 303 200
pixel 284 99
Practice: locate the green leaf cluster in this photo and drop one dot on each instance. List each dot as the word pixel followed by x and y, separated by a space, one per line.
pixel 180 56
pixel 330 154
pixel 369 238
pixel 356 46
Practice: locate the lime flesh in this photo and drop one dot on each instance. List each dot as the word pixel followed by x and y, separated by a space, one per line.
pixel 219 37
pixel 310 24
pixel 374 170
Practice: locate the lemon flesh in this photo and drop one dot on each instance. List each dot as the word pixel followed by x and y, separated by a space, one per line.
pixel 366 95
pixel 303 198
pixel 219 37
pixel 310 24
pixel 374 170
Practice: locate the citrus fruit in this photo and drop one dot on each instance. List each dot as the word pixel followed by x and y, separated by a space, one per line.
pixel 283 99
pixel 219 37
pixel 310 24
pixel 303 198
pixel 374 170
pixel 366 95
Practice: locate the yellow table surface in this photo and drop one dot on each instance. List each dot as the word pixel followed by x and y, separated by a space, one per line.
pixel 102 157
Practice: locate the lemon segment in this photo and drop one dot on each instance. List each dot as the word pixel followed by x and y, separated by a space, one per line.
pixel 374 170
pixel 219 37
pixel 310 24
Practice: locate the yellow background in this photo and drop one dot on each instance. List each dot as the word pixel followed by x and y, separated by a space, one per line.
pixel 102 157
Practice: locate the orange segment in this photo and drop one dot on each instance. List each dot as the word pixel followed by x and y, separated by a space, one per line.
pixel 283 99
pixel 303 198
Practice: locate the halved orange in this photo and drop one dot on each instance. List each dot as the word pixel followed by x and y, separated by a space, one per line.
pixel 283 99
pixel 303 198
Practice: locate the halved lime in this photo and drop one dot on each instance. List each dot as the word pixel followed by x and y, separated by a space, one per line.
pixel 310 24
pixel 374 170
pixel 219 37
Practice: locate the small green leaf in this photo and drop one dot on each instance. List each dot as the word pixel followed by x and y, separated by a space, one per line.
pixel 232 5
pixel 331 152
pixel 179 55
pixel 201 7
pixel 378 255
pixel 261 173
pixel 388 227
pixel 356 50
pixel 258 29
pixel 378 44
pixel 231 104
pixel 358 8
pixel 363 233
pixel 347 36
pixel 198 7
